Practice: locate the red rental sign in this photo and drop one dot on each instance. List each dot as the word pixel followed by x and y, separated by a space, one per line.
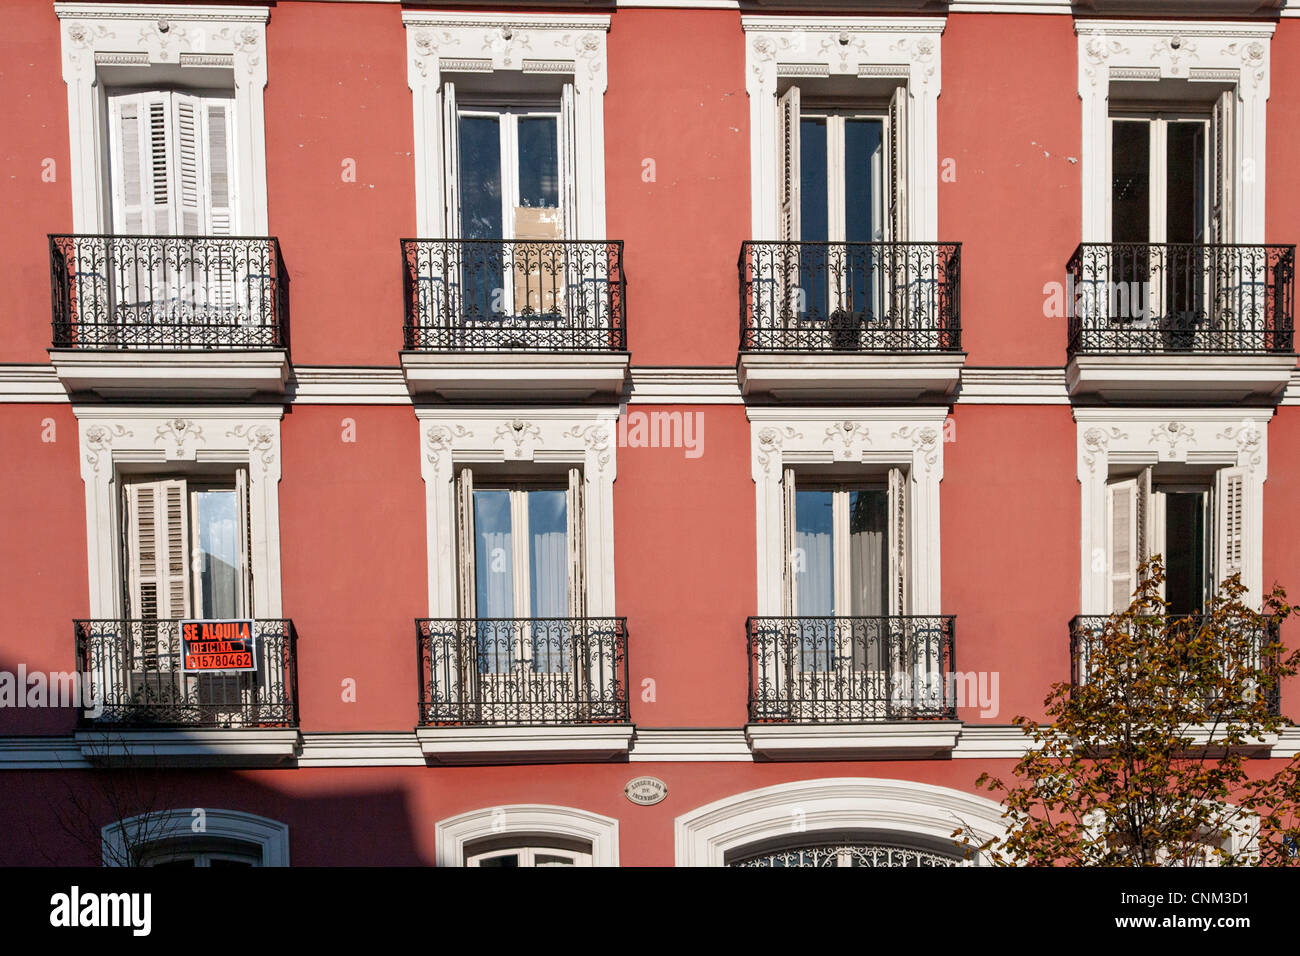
pixel 212 646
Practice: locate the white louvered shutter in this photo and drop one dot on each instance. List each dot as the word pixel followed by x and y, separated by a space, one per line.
pixel 789 580
pixel 220 159
pixel 1223 166
pixel 158 549
pixel 188 164
pixel 575 515
pixel 898 166
pixel 1122 524
pixel 450 162
pixel 1229 523
pixel 568 165
pixel 466 581
pixel 788 164
pixel 899 586
pixel 244 530
pixel 129 167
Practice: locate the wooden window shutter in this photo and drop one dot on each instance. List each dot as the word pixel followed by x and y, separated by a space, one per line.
pixel 788 163
pixel 244 529
pixel 898 166
pixel 899 597
pixel 1229 523
pixel 1223 166
pixel 466 580
pixel 789 584
pixel 575 516
pixel 568 164
pixel 450 161
pixel 128 165
pixel 1122 525
pixel 188 165
pixel 158 549
pixel 220 158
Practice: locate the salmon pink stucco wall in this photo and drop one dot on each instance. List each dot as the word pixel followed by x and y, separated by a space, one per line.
pixel 685 570
pixel 1282 210
pixel 43 570
pixel 677 111
pixel 35 184
pixel 337 102
pixel 1010 132
pixel 353 558
pixel 1281 537
pixel 1010 538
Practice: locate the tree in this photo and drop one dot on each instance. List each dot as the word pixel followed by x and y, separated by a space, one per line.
pixel 1147 759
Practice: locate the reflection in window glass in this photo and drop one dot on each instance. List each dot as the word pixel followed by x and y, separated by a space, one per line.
pixel 218 553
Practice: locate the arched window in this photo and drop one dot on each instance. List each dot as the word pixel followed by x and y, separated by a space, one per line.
pixel 851 848
pixel 523 851
pixel 528 835
pixel 196 837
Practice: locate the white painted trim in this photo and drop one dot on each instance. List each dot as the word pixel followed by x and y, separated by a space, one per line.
pixel 347 385
pixel 905 437
pixel 520 435
pixel 197 374
pixel 684 385
pixel 672 745
pixel 539 744
pixel 173 438
pixel 1222 437
pixel 1012 386
pixel 845 46
pixel 190 747
pixel 569 43
pixel 1235 52
pixel 1174 379
pixel 869 740
pixel 527 819
pixel 704 836
pixel 37 384
pixel 90 29
pixel 270 836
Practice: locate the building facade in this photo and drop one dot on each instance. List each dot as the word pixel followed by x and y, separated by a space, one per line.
pixel 649 433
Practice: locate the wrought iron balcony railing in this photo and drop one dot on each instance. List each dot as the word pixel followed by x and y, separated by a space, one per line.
pixel 850 297
pixel 488 295
pixel 1136 297
pixel 1086 630
pixel 523 671
pixel 168 292
pixel 813 670
pixel 137 671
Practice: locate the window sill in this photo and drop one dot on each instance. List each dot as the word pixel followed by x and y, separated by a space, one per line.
pixel 495 745
pixel 175 374
pixel 884 741
pixel 851 377
pixel 196 747
pixel 1176 378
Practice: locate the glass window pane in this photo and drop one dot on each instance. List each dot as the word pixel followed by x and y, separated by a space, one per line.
pixel 814 562
pixel 863 145
pixel 868 551
pixel 219 550
pixel 480 177
pixel 1130 190
pixel 493 559
pixel 505 860
pixel 813 207
pixel 539 162
pixel 548 553
pixel 1185 583
pixel 1185 182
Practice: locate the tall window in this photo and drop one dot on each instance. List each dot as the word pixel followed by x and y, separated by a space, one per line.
pixel 1194 522
pixel 509 854
pixel 172 163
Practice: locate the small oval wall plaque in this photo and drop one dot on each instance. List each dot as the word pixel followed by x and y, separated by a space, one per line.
pixel 646 791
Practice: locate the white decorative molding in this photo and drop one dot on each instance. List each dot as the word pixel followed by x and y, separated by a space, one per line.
pixel 270 836
pixel 580 743
pixel 705 836
pixel 846 378
pixel 347 385
pixel 507 43
pixel 691 745
pixel 1174 49
pixel 519 436
pixel 162 34
pixel 1172 378
pixel 911 438
pixel 220 375
pixel 37 384
pixel 179 439
pixel 1012 386
pixel 684 385
pixel 397 748
pixel 527 820
pixel 1219 437
pixel 845 46
pixel 515 376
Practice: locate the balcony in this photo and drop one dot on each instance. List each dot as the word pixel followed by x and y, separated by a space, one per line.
pixel 1177 322
pixel 512 319
pixel 850 321
pixel 852 687
pixel 182 316
pixel 509 690
pixel 150 707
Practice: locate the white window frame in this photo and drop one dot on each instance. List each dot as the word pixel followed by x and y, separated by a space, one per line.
pixel 519 441
pixel 530 821
pixel 441 44
pixel 137 36
pixel 206 824
pixel 528 854
pixel 125 439
pixel 707 834
pixel 1110 439
pixel 902 48
pixel 804 439
pixel 1220 53
pixel 1157 122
